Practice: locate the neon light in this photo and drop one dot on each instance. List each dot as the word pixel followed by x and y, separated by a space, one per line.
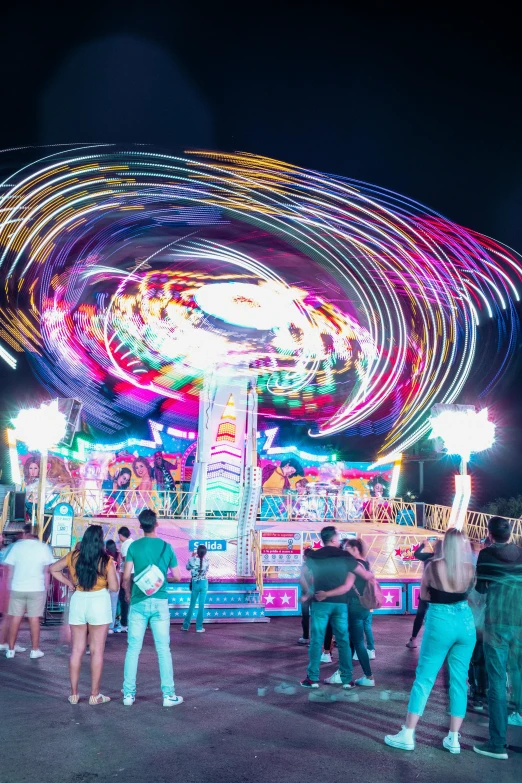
pixel 40 428
pixel 460 501
pixel 462 429
pixel 13 457
pixel 7 357
pixel 383 324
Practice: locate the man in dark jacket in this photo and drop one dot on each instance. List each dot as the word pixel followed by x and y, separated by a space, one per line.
pixel 499 575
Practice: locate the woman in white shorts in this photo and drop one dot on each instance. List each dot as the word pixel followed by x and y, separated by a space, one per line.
pixel 93 575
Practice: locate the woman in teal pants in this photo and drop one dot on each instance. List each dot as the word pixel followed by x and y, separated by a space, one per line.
pixel 198 566
pixel 449 633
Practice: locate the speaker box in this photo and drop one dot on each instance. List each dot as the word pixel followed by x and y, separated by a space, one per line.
pixel 17 507
pixel 420 514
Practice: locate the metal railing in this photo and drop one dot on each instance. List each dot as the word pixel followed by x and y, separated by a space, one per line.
pixel 316 508
pixel 174 504
pixel 256 561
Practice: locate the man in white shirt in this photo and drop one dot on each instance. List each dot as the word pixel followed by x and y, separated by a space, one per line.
pixel 126 540
pixel 28 561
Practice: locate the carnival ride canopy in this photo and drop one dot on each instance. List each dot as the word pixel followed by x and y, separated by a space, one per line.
pixel 130 275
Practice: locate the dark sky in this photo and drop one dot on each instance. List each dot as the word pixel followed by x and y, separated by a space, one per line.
pixel 417 98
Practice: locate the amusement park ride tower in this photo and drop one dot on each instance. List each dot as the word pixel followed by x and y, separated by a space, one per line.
pixel 226 476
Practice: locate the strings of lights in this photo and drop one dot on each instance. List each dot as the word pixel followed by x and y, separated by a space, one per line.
pixel 130 274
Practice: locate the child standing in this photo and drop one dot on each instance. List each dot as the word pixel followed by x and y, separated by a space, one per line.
pixel 198 566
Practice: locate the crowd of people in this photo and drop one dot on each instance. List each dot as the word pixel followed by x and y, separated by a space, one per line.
pixel 472 614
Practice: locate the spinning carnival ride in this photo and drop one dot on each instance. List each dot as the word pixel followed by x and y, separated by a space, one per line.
pixel 223 287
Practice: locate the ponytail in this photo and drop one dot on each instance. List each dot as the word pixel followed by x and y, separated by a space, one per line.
pixel 201 552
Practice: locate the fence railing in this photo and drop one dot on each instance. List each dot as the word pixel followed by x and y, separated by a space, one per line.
pixel 316 508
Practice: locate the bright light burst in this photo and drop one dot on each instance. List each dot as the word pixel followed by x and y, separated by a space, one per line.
pixel 40 428
pixel 129 274
pixel 463 430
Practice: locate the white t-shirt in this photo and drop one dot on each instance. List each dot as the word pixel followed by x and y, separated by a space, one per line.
pixel 29 558
pixel 123 551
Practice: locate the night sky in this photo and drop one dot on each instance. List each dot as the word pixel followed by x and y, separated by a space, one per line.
pixel 422 100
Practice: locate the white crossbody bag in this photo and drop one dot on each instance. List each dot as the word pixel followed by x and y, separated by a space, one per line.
pixel 151 579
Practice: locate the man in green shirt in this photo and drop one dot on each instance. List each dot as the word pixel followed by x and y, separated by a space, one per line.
pixel 147 551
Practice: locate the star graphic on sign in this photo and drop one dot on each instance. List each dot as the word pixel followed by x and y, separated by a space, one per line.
pixel 269 599
pixel 239 614
pixel 398 552
pixel 389 598
pixel 285 599
pixel 317 545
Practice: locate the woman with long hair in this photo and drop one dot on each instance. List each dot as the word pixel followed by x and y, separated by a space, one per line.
pixel 112 551
pixel 143 472
pixel 92 576
pixel 449 633
pixel 198 566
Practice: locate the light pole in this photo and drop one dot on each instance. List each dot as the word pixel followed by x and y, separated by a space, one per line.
pixel 40 429
pixel 464 431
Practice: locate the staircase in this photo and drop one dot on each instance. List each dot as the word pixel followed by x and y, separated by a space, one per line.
pixel 229 602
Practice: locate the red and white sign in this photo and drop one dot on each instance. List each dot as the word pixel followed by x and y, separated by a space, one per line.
pixel 279 548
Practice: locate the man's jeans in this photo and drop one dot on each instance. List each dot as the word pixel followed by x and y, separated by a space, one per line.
pixel 199 591
pixel 321 612
pixel 156 612
pixel 502 643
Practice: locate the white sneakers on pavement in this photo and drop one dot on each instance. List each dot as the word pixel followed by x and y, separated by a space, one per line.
pixel 515 719
pixel 404 740
pixel 335 679
pixel 366 682
pixel 451 742
pixel 36 654
pixel 129 700
pixel 172 701
pixel 326 657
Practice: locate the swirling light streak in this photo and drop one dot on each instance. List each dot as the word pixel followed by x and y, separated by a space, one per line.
pixel 387 295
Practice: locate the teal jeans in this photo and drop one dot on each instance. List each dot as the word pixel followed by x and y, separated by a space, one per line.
pixel 156 612
pixel 321 612
pixel 449 633
pixel 199 593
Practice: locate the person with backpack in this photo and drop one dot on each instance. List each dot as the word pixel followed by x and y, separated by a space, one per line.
pixel 364 596
pixel 450 633
pixel 198 566
pixel 332 573
pixel 152 559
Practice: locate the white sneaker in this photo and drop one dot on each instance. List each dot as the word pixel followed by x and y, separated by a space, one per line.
pixel 129 700
pixel 335 679
pixel 404 740
pixel 326 657
pixel 453 745
pixel 172 701
pixel 371 655
pixel 515 719
pixel 121 629
pixel 110 631
pixel 366 682
pixel 302 640
pixel 36 654
pixel 355 657
pixel 10 654
pixel 200 630
pixel 17 647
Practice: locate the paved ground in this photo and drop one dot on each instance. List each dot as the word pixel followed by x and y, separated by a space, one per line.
pixel 225 731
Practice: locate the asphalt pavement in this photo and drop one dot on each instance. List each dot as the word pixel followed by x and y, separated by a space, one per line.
pixel 244 719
